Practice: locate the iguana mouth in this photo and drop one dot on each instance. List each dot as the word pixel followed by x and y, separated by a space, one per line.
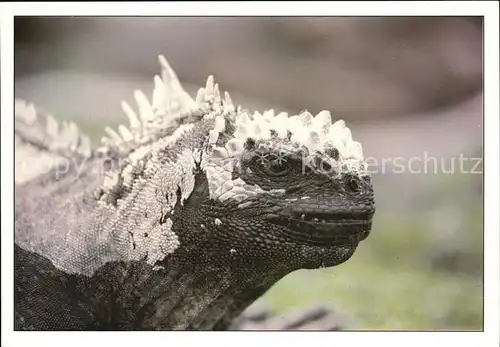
pixel 319 223
pixel 327 231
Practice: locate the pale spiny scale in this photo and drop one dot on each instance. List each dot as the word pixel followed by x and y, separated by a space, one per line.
pixel 315 133
pixel 174 91
pixel 209 88
pixel 52 126
pixel 200 96
pixel 44 131
pixel 132 116
pixel 171 106
pixel 228 103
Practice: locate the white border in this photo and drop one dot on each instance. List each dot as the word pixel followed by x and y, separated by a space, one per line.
pixel 253 8
pixel 487 8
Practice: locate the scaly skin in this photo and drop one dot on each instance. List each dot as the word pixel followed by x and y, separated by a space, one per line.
pixel 188 225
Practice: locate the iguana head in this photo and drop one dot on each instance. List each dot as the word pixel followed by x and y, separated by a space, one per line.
pixel 240 187
pixel 295 186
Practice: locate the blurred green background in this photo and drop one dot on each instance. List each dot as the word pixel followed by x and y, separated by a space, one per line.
pixel 407 87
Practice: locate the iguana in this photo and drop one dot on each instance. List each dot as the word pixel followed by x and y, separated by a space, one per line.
pixel 183 218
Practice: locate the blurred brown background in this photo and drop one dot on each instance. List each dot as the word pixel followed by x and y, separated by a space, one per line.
pixel 409 87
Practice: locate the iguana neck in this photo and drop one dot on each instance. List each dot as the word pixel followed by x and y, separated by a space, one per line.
pixel 186 294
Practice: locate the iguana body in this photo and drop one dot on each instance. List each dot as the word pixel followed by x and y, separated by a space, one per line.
pixel 185 217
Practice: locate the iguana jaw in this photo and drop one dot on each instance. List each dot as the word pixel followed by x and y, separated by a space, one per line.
pixel 323 232
pixel 320 221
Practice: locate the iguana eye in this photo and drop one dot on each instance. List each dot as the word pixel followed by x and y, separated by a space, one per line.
pixel 353 184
